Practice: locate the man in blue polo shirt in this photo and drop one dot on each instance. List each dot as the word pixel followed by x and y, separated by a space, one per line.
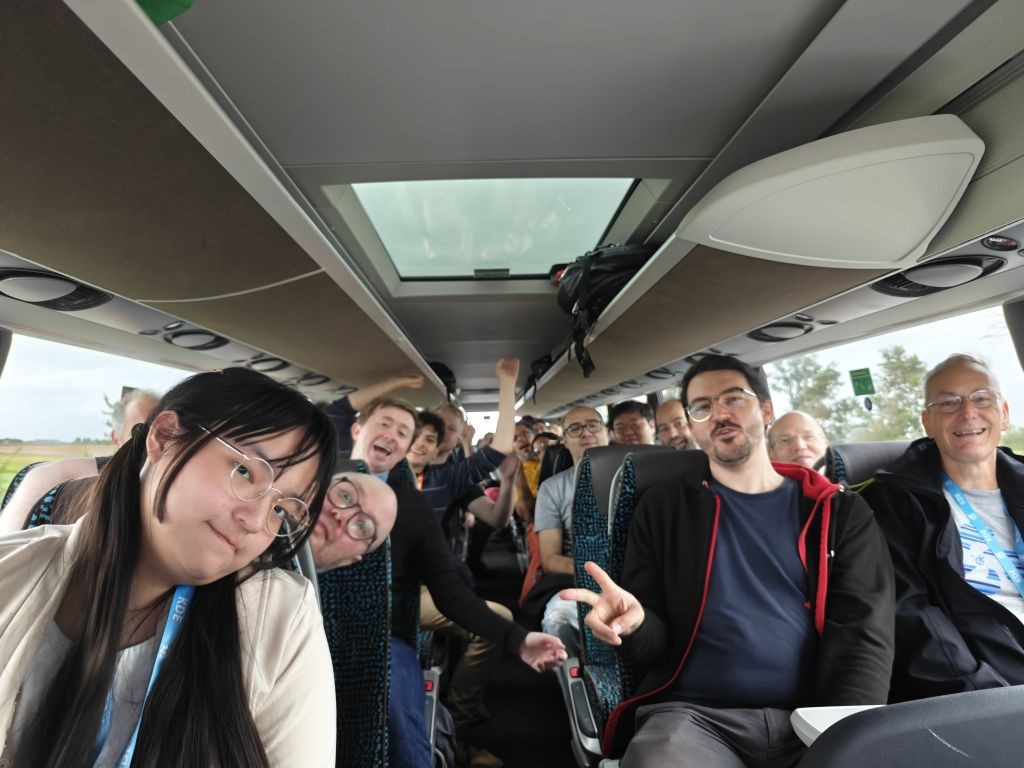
pixel 748 589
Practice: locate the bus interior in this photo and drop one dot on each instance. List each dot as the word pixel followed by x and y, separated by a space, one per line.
pixel 334 193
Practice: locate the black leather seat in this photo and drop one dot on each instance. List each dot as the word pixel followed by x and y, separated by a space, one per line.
pixel 855 463
pixel 974 728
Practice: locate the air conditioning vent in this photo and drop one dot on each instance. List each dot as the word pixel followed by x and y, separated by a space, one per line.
pixel 200 341
pixel 938 275
pixel 780 332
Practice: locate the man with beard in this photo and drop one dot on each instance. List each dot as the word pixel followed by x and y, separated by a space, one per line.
pixel 748 589
pixel 673 428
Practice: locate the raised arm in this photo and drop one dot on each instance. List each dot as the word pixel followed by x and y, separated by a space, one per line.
pixel 497 513
pixel 507 371
pixel 363 397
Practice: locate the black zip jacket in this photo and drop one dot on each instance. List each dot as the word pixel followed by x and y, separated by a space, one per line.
pixel 949 636
pixel 668 564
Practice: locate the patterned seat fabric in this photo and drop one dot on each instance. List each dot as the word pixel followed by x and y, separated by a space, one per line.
pixel 589 542
pixel 356 603
pixel 16 481
pixel 42 511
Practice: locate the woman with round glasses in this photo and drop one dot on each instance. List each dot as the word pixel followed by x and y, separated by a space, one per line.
pixel 155 631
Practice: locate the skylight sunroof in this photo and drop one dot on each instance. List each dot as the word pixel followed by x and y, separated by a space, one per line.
pixel 452 228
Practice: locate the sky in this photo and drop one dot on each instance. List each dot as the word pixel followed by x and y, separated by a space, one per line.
pixel 51 391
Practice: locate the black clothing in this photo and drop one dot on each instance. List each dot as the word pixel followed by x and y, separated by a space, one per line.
pixel 668 562
pixel 419 553
pixel 949 636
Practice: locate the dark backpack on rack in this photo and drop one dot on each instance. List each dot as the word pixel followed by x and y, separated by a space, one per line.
pixel 588 285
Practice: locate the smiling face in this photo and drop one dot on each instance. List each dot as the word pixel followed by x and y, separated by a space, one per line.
pixel 206 532
pixel 522 442
pixel 423 449
pixel 796 438
pixel 732 434
pixel 453 427
pixel 673 428
pixel 969 435
pixel 384 439
pixel 579 419
pixel 332 538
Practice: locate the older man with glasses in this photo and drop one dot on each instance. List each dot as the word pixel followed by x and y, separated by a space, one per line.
pixel 748 589
pixel 952 509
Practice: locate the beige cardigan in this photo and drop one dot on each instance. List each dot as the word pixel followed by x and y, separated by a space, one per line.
pixel 285 662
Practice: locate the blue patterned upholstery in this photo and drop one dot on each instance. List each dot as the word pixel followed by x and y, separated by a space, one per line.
pixel 16 481
pixel 356 603
pixel 42 511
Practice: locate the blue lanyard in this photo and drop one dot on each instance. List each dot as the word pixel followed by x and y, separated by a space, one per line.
pixel 1012 572
pixel 172 628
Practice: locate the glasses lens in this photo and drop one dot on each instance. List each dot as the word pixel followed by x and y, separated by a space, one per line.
pixel 288 515
pixel 251 479
pixel 983 398
pixel 361 527
pixel 343 495
pixel 700 410
pixel 574 431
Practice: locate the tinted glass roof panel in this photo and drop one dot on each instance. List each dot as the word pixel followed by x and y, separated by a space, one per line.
pixel 451 228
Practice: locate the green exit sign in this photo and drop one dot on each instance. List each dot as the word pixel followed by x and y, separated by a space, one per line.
pixel 862 384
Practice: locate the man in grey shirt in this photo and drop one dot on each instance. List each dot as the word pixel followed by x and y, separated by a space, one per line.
pixel 582 428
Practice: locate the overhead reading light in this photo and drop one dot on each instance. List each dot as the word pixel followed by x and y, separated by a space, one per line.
pixel 313 380
pixel 44 289
pixel 174 325
pixel 200 341
pixel 1000 243
pixel 803 317
pixel 780 332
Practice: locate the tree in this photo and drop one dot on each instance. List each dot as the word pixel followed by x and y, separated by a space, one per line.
pixel 898 398
pixel 1014 438
pixel 814 388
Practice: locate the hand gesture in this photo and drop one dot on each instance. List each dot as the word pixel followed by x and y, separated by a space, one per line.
pixel 508 468
pixel 542 652
pixel 407 381
pixel 485 440
pixel 467 434
pixel 507 368
pixel 614 613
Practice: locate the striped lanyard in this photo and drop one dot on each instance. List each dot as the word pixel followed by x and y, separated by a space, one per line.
pixel 172 628
pixel 1012 571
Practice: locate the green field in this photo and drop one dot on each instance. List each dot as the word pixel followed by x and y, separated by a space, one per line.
pixel 14 456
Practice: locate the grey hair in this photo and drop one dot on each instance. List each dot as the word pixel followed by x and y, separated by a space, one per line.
pixel 959 358
pixel 129 397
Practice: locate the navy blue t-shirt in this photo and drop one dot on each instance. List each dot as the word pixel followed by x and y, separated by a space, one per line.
pixel 757 645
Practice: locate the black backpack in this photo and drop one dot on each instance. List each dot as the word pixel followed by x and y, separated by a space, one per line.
pixel 588 285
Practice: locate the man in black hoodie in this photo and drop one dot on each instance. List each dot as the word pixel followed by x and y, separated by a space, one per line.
pixel 952 508
pixel 748 589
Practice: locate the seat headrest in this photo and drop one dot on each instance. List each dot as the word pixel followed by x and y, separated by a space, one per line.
pixel 652 468
pixel 605 462
pixel 556 459
pixel 853 463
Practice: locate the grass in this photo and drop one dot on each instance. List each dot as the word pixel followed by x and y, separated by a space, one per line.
pixel 14 456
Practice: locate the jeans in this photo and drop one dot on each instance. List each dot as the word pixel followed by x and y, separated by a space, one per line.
pixel 408 743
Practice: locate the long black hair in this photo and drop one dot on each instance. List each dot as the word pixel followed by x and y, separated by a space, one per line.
pixel 198 712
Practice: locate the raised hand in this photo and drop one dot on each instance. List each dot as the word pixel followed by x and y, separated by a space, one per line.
pixel 614 612
pixel 508 468
pixel 507 368
pixel 407 381
pixel 542 652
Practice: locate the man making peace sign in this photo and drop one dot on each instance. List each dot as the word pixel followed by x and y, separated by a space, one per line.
pixel 748 589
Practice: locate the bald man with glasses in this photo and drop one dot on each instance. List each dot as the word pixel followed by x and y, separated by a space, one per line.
pixel 748 589
pixel 952 510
